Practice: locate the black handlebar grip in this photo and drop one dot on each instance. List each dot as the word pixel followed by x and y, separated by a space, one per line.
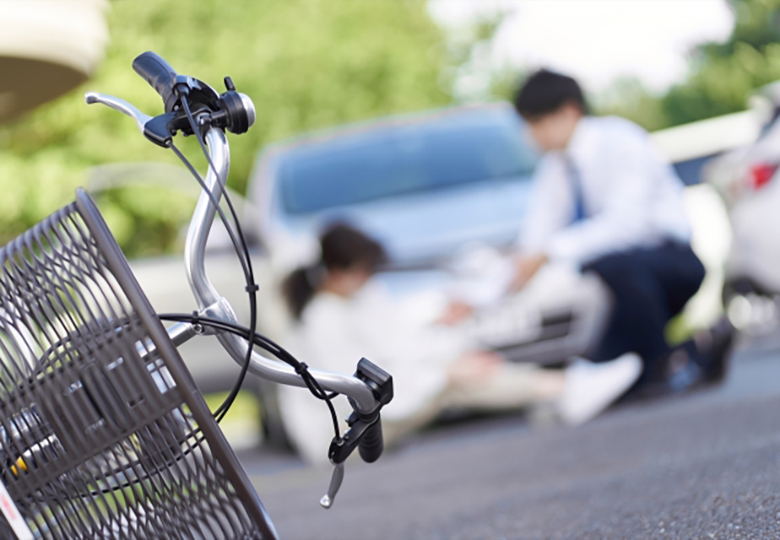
pixel 372 442
pixel 159 75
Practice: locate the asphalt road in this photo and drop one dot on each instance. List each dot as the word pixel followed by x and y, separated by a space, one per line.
pixel 704 465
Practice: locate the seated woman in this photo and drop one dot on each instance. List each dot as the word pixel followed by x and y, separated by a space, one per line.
pixel 342 316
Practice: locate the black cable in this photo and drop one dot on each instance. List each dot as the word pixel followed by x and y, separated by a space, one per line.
pixel 251 286
pixel 249 334
pixel 223 218
pixel 272 347
pixel 242 251
pixel 243 255
pixel 263 342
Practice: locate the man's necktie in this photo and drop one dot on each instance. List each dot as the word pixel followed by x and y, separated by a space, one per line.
pixel 575 183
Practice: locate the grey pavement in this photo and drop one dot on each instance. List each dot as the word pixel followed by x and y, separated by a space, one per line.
pixel 704 465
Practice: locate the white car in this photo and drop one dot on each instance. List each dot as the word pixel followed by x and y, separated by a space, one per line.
pixel 748 181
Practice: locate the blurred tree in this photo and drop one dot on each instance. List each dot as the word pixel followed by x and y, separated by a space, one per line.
pixel 307 64
pixel 721 76
pixel 629 98
pixel 471 71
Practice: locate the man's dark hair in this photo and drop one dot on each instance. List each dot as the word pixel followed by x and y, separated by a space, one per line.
pixel 545 91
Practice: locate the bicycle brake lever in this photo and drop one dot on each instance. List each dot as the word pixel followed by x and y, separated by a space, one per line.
pixel 120 105
pixel 335 484
pixel 360 425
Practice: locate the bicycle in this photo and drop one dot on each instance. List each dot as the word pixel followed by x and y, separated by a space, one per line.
pixel 103 432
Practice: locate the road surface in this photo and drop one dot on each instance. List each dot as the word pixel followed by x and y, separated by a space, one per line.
pixel 704 465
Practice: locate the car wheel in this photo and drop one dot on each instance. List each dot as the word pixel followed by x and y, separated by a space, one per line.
pixel 750 308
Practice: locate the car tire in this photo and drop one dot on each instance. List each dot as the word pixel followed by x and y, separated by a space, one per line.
pixel 750 307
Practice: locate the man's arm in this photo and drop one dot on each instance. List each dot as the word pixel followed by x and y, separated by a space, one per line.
pixel 526 267
pixel 549 208
pixel 549 211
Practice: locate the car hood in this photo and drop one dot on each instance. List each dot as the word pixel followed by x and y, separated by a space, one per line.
pixel 422 230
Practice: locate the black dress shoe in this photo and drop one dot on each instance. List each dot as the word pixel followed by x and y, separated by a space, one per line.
pixel 717 345
pixel 680 373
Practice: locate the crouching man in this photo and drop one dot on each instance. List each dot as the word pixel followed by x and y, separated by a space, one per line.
pixel 607 202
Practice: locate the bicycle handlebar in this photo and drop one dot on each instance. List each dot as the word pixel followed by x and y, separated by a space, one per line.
pixel 159 74
pixel 371 387
pixel 214 305
pixel 372 443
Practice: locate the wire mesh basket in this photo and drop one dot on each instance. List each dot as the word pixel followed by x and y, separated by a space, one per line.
pixel 103 433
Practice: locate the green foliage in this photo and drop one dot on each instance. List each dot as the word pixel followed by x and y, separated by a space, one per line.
pixel 307 64
pixel 629 98
pixel 721 75
pixel 469 69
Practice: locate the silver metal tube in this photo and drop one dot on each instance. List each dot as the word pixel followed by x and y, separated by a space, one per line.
pixel 212 303
pixel 181 333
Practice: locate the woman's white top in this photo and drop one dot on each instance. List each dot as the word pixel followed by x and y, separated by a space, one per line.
pixel 334 333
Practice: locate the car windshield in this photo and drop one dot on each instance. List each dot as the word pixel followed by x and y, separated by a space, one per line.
pixel 442 153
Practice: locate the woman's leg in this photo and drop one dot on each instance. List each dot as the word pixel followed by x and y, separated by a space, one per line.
pixel 579 393
pixel 500 386
pixel 508 386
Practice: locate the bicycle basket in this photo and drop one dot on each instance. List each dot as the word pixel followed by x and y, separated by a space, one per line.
pixel 103 433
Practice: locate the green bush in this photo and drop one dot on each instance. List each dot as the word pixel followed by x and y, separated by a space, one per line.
pixel 307 64
pixel 721 76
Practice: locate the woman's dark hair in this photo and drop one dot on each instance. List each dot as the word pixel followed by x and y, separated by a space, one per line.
pixel 544 92
pixel 343 248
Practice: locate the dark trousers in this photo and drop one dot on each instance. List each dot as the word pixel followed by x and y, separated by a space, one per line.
pixel 649 286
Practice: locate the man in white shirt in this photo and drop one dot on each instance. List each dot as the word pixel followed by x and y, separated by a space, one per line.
pixel 606 202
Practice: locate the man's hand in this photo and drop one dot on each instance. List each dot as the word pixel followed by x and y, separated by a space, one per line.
pixel 456 312
pixel 526 267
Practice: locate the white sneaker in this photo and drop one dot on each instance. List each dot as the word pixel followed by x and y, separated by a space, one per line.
pixel 590 388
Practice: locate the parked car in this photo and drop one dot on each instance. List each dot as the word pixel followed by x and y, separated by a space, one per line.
pixel 747 180
pixel 437 189
pixel 694 149
pixel 443 188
